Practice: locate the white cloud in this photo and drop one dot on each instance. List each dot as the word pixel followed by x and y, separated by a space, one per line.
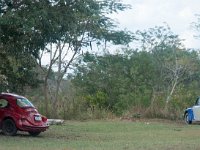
pixel 178 14
pixel 190 41
pixel 186 13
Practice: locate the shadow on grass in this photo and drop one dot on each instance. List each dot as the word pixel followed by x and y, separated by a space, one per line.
pixel 22 135
pixel 46 136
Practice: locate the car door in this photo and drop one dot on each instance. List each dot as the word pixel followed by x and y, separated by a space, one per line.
pixel 3 108
pixel 196 110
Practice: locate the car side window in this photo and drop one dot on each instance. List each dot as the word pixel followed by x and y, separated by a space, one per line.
pixel 3 103
pixel 198 101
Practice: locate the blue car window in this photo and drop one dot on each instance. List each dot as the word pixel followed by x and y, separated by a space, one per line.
pixel 22 102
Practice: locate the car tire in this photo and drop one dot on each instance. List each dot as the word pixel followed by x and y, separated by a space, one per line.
pixel 187 120
pixel 9 127
pixel 34 133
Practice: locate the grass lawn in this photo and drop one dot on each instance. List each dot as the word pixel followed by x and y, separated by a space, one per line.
pixel 109 135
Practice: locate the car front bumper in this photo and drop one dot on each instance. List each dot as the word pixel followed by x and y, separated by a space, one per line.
pixel 25 125
pixel 34 128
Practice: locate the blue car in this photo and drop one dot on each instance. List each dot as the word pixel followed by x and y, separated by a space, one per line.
pixel 192 114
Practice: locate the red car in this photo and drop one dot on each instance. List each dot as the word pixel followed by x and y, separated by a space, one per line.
pixel 18 113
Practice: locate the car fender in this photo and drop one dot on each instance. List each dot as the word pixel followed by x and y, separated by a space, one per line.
pixel 15 117
pixel 190 113
pixel 6 117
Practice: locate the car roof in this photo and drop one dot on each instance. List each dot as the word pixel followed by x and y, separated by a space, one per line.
pixel 11 95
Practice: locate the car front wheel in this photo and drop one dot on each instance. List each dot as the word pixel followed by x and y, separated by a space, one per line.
pixel 187 119
pixel 9 128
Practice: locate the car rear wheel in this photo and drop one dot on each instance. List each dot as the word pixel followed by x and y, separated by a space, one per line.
pixel 187 119
pixel 9 127
pixel 34 133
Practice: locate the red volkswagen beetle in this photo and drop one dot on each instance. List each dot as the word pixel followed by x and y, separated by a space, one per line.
pixel 18 113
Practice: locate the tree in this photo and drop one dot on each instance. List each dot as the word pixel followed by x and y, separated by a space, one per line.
pixel 172 60
pixel 22 36
pixel 156 77
pixel 27 27
pixel 101 80
pixel 82 25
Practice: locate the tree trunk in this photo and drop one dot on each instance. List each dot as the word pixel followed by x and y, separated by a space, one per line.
pixel 171 93
pixel 46 97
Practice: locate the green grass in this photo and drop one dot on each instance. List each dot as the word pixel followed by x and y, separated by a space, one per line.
pixel 109 135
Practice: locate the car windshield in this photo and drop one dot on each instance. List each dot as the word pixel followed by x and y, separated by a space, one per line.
pixel 23 102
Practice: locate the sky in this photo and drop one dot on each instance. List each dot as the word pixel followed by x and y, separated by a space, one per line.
pixel 178 14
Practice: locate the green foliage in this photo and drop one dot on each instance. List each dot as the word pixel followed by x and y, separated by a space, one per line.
pixel 121 78
pixel 18 73
pixel 162 75
pixel 158 73
pixel 97 100
pixel 28 26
